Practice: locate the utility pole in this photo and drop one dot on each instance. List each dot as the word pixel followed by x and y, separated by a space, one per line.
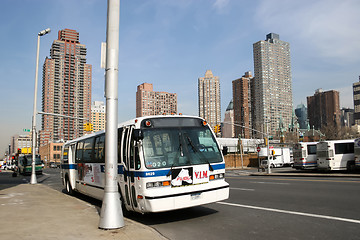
pixel 111 216
pixel 33 173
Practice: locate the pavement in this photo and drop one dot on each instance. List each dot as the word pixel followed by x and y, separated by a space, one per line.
pixel 35 211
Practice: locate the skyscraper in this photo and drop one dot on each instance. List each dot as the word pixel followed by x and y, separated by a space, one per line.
pixel 301 114
pixel 209 98
pixel 324 109
pixel 272 84
pixel 228 126
pixel 66 89
pixel 149 102
pixel 242 105
pixel 356 97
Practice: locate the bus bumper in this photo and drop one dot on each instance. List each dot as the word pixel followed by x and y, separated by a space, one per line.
pixel 184 200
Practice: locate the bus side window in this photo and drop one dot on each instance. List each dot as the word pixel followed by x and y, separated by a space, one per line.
pixel 79 152
pixel 99 150
pixel 88 150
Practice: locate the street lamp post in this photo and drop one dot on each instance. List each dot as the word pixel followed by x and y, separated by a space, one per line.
pixel 33 173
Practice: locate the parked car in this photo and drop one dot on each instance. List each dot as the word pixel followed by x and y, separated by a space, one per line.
pixel 53 165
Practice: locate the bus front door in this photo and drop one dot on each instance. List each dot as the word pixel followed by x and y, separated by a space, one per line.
pixel 130 180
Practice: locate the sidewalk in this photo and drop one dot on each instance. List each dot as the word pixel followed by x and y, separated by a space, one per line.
pixel 39 212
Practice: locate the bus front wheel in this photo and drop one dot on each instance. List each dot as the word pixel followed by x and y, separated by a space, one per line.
pixel 68 187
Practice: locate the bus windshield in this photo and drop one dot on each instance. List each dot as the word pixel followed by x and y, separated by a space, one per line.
pixel 172 147
pixel 29 160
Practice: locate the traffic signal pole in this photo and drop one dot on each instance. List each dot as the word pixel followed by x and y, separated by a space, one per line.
pixel 111 216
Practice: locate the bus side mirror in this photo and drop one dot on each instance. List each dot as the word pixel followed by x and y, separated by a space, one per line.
pixel 225 150
pixel 138 134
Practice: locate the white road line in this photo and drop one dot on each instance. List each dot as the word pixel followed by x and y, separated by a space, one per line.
pixel 272 183
pixel 292 212
pixel 243 189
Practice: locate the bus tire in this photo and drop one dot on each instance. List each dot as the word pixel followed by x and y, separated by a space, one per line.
pixel 68 187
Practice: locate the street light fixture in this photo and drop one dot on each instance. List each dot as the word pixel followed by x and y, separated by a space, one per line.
pixel 33 173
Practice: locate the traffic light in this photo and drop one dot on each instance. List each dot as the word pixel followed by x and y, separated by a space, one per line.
pixel 219 128
pixel 216 128
pixel 88 127
pixel 19 150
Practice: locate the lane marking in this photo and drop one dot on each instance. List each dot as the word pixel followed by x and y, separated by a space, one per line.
pixel 297 179
pixel 272 183
pixel 243 189
pixel 292 212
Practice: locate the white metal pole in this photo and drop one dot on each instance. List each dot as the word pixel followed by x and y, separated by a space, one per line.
pixel 111 215
pixel 33 173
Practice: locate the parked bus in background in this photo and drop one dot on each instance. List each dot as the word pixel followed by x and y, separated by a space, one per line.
pixel 164 163
pixel 24 164
pixel 357 153
pixel 335 155
pixel 305 155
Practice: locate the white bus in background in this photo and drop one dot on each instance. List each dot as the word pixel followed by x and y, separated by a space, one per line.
pixel 357 153
pixel 164 163
pixel 335 155
pixel 304 154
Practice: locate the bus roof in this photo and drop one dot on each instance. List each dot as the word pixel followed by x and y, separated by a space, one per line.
pixel 134 121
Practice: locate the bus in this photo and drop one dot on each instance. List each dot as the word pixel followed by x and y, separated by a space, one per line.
pixel 24 164
pixel 357 153
pixel 164 163
pixel 335 155
pixel 305 155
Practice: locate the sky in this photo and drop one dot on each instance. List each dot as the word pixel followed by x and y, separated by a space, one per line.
pixel 171 43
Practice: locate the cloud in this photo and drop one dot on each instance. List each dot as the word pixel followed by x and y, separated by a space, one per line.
pixel 220 5
pixel 327 28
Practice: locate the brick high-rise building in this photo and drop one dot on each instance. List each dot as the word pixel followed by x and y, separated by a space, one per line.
pixel 66 89
pixel 272 84
pixel 242 105
pixel 209 98
pixel 324 109
pixel 149 102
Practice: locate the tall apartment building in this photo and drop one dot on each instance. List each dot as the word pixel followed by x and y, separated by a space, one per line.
pixel 149 102
pixel 66 89
pixel 228 130
pixel 98 115
pixel 356 97
pixel 242 105
pixel 272 84
pixel 324 109
pixel 209 98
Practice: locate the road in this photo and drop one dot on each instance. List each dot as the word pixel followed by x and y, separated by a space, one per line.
pixel 259 207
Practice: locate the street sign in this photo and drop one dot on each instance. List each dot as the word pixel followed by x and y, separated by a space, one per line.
pixel 258 149
pixel 26 130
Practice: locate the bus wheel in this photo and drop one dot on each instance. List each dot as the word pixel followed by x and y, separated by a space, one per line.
pixel 68 188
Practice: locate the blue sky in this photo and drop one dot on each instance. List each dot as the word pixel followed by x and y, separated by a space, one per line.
pixel 171 43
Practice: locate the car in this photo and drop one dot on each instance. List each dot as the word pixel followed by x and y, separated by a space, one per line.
pixel 53 165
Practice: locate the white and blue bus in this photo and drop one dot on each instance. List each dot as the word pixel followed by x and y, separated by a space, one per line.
pixel 164 163
pixel 304 154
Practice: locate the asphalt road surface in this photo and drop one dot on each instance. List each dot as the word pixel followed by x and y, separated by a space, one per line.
pixel 258 208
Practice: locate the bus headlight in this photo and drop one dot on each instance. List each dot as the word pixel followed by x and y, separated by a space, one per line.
pixel 217 176
pixel 157 184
